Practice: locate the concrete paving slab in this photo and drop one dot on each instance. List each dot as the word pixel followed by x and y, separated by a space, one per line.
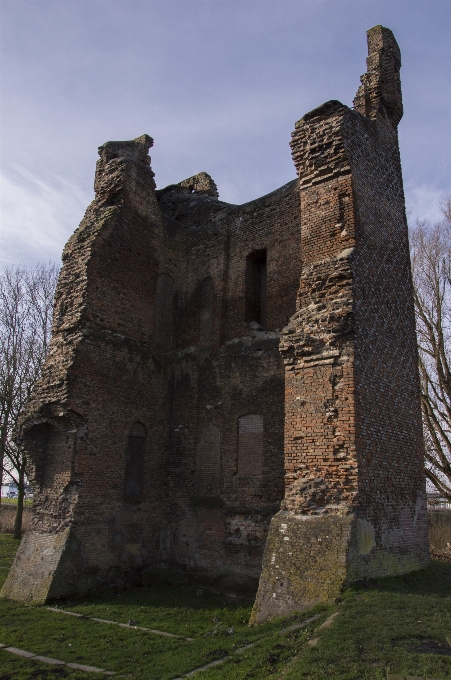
pixel 88 669
pixel 122 625
pixel 243 649
pixel 48 659
pixel 61 611
pixel 328 622
pixel 295 626
pixel 161 632
pixel 19 652
pixel 207 665
pixel 149 630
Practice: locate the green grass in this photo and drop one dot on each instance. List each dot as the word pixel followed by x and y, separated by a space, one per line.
pixel 27 502
pixel 380 628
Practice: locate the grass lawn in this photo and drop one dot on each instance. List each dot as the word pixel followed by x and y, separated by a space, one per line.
pixel 27 502
pixel 396 625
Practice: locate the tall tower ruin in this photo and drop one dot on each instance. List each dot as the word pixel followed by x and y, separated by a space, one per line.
pixel 235 386
pixel 355 502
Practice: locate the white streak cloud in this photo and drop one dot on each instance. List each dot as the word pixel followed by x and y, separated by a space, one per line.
pixel 422 203
pixel 38 214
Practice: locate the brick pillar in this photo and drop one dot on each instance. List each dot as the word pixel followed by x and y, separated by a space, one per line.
pixel 355 501
pixel 95 385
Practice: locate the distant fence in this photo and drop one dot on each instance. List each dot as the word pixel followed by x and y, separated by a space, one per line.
pixel 7 516
pixel 436 502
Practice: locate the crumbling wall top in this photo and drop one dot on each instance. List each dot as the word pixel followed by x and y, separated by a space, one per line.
pixel 379 96
pixel 135 149
pixel 201 184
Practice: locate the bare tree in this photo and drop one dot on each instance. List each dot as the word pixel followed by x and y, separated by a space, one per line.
pixel 26 303
pixel 431 268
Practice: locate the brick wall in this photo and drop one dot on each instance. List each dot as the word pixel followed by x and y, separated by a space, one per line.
pixel 353 438
pixel 211 364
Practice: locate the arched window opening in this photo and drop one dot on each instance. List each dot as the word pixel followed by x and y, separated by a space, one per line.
pixel 164 311
pixel 207 294
pixel 255 287
pixel 134 464
pixel 37 441
pixel 250 445
pixel 208 462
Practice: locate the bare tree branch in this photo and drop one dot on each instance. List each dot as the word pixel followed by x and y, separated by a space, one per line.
pixel 431 269
pixel 26 303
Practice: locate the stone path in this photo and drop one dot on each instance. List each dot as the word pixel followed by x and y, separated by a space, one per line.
pixel 53 662
pixel 122 625
pixel 242 649
pixel 211 664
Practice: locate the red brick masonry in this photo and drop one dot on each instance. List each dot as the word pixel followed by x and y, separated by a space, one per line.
pixel 218 372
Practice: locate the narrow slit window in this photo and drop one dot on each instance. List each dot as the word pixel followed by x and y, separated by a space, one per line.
pixel 38 440
pixel 134 464
pixel 255 287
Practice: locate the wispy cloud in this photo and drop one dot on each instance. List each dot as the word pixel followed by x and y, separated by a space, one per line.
pixel 219 85
pixel 37 216
pixel 422 202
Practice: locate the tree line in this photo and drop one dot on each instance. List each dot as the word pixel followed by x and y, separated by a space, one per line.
pixel 26 305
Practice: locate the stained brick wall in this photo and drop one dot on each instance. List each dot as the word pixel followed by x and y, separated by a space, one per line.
pixel 164 311
pixel 208 461
pixel 211 364
pixel 250 444
pixel 353 436
pixel 207 310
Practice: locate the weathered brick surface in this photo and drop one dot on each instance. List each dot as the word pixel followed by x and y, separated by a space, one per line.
pixel 353 436
pixel 211 364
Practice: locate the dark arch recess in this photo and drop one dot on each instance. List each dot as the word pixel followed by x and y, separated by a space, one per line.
pixel 134 464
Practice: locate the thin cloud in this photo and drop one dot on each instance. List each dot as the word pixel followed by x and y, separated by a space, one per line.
pixel 37 216
pixel 422 203
pixel 218 90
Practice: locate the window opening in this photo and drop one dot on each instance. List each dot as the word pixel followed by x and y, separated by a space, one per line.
pixel 134 464
pixel 38 439
pixel 255 287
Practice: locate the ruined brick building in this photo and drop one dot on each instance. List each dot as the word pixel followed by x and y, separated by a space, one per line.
pixel 226 377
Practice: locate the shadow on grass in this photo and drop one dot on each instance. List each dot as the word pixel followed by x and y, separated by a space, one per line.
pixel 435 580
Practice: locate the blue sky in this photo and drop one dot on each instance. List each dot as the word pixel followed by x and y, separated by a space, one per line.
pixel 219 84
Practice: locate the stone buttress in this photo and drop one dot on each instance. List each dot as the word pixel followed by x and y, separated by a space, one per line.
pixel 93 385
